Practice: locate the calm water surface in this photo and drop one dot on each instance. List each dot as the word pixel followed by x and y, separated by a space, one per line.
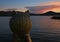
pixel 43 29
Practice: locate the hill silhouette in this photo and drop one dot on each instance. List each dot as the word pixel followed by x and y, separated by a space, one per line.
pixel 49 13
pixel 11 13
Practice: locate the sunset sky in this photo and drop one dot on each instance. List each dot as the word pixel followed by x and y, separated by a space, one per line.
pixel 35 6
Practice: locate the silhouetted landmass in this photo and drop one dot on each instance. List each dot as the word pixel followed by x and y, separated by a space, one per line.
pixel 56 17
pixel 49 13
pixel 3 13
pixel 11 13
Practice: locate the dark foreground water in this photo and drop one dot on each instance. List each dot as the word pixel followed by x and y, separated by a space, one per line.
pixel 44 29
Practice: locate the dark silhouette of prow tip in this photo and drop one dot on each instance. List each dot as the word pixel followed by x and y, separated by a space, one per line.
pixel 20 24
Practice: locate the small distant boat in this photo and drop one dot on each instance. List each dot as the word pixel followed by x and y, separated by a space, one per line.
pixel 56 17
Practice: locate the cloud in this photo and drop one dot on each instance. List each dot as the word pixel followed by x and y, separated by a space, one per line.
pixel 22 9
pixel 49 3
pixel 44 7
pixel 16 9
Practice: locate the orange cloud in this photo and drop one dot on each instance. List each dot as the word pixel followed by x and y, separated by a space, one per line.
pixel 56 9
pixel 49 9
pixel 44 7
pixel 52 8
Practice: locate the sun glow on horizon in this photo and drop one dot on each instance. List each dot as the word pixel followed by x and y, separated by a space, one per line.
pixel 51 6
pixel 56 9
pixel 39 9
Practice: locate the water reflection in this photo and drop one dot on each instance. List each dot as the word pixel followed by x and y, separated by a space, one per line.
pixel 43 27
pixel 45 22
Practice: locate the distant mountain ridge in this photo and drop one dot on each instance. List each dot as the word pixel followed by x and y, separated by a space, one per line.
pixel 10 13
pixel 47 13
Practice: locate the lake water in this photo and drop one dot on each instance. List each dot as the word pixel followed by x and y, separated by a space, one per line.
pixel 44 29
